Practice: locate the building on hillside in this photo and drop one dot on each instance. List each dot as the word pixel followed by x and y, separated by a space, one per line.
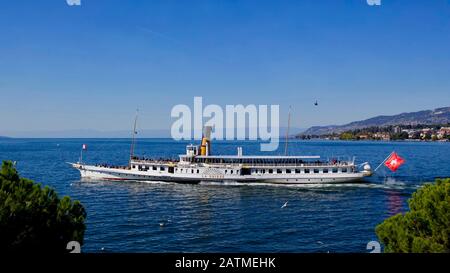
pixel 363 136
pixel 443 132
pixel 382 136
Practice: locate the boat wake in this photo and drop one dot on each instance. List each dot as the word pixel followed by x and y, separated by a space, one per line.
pixel 387 183
pixel 392 184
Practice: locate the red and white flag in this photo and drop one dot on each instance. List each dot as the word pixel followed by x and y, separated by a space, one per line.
pixel 394 161
pixel 84 147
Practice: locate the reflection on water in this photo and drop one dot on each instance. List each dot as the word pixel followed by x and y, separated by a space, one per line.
pixel 169 217
pixel 213 217
pixel 395 202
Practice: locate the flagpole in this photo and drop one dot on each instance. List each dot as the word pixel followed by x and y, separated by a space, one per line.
pixel 287 133
pixel 383 161
pixel 133 138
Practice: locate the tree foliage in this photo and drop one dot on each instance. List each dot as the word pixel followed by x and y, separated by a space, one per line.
pixel 347 136
pixel 34 218
pixel 426 227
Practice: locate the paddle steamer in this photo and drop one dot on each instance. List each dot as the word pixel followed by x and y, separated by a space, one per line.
pixel 198 164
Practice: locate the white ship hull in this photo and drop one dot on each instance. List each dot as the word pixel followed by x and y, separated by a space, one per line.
pixel 97 173
pixel 198 165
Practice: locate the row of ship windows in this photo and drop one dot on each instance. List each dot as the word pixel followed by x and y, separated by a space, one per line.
pixel 334 170
pixel 161 168
pixel 255 171
pixel 198 171
pixel 187 170
pixel 146 168
pixel 287 180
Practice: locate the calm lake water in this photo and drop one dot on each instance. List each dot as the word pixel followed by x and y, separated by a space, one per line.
pixel 126 217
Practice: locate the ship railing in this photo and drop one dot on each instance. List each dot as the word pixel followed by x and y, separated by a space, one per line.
pixel 118 167
pixel 298 165
pixel 251 164
pixel 153 161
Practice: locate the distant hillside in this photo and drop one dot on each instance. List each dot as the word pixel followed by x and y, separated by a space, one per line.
pixel 436 116
pixel 88 133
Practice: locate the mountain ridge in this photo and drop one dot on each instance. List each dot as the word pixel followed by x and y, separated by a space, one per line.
pixel 437 116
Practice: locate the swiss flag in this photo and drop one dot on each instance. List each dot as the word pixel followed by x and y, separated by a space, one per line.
pixel 84 147
pixel 394 162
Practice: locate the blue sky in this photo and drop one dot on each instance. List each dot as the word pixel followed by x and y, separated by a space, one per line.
pixel 88 67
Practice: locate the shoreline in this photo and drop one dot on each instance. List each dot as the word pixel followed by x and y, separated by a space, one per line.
pixel 375 140
pixel 281 140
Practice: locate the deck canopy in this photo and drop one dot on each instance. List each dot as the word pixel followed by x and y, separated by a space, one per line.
pixel 234 159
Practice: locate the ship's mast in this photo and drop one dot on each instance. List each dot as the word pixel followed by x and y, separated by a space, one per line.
pixel 287 133
pixel 133 138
